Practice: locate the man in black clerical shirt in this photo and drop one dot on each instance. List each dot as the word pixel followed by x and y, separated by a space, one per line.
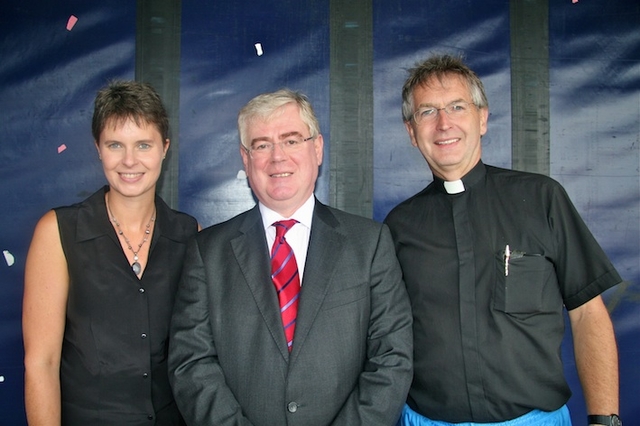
pixel 490 257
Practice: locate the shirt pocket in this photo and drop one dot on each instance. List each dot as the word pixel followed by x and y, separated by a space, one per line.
pixel 519 290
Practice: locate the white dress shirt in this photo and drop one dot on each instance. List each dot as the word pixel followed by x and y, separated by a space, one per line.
pixel 297 236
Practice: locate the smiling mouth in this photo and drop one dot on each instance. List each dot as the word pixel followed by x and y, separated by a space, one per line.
pixel 447 142
pixel 277 175
pixel 130 175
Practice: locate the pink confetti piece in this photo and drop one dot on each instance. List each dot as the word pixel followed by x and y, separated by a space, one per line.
pixel 574 1
pixel 61 148
pixel 71 22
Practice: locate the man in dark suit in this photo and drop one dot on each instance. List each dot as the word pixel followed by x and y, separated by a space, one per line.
pixel 331 344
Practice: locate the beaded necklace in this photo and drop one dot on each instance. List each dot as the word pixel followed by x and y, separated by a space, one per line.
pixel 135 266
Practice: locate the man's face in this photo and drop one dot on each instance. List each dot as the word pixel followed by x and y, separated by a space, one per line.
pixel 451 145
pixel 282 180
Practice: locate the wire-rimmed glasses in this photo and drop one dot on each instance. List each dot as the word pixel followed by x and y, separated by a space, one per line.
pixel 293 143
pixel 454 110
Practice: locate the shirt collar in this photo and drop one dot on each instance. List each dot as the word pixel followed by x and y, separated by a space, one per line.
pixel 469 180
pixel 93 220
pixel 303 215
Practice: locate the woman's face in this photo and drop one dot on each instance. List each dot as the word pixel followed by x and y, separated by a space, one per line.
pixel 131 156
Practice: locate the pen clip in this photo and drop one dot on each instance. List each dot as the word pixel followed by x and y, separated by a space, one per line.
pixel 507 256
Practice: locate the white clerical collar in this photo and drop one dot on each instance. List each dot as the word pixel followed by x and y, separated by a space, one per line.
pixel 454 186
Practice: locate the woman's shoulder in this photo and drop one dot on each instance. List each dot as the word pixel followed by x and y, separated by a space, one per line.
pixel 93 202
pixel 176 219
pixel 48 223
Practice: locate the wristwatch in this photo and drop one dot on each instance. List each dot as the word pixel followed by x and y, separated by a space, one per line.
pixel 610 420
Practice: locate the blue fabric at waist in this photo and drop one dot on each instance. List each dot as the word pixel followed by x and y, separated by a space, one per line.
pixel 559 417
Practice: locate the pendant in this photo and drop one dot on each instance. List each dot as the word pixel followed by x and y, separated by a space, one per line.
pixel 136 268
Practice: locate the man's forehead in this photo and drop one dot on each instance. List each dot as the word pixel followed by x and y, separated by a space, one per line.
pixel 276 126
pixel 280 136
pixel 445 81
pixel 442 89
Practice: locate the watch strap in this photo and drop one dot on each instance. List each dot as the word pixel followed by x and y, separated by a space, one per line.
pixel 610 420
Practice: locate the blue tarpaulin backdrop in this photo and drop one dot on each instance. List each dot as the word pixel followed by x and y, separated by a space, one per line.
pixel 49 76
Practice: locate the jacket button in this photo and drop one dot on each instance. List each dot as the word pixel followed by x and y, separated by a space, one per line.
pixel 292 407
pixel 143 336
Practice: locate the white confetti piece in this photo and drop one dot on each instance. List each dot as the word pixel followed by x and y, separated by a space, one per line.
pixel 8 257
pixel 61 148
pixel 258 47
pixel 241 175
pixel 1 379
pixel 71 22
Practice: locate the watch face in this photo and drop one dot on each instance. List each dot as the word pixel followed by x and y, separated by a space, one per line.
pixel 615 421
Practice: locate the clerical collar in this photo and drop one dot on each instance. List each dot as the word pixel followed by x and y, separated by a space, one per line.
pixel 454 186
pixel 467 182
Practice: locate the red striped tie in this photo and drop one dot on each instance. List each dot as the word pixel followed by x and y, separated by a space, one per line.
pixel 284 273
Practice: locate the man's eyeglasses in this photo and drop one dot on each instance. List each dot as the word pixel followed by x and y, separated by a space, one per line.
pixel 291 144
pixel 454 110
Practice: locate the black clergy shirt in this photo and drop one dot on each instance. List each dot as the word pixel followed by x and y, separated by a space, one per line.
pixel 487 340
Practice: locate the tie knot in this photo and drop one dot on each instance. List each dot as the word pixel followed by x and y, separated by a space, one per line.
pixel 283 226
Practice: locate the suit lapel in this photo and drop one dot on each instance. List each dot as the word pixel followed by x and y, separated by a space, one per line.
pixel 252 254
pixel 325 246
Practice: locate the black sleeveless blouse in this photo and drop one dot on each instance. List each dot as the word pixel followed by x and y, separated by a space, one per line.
pixel 114 353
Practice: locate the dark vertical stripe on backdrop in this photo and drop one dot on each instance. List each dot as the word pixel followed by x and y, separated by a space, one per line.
pixel 158 63
pixel 530 85
pixel 351 106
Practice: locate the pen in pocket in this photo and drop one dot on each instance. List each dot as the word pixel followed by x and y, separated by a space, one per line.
pixel 507 255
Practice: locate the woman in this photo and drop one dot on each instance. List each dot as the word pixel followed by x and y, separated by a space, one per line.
pixel 100 281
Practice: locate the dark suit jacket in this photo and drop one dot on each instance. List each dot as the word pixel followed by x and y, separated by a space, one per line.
pixel 351 362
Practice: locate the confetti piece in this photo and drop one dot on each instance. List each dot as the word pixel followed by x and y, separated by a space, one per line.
pixel 258 47
pixel 1 379
pixel 241 175
pixel 71 22
pixel 574 1
pixel 8 257
pixel 61 148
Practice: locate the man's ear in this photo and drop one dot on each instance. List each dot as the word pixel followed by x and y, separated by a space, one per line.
pixel 318 144
pixel 411 131
pixel 484 117
pixel 245 159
